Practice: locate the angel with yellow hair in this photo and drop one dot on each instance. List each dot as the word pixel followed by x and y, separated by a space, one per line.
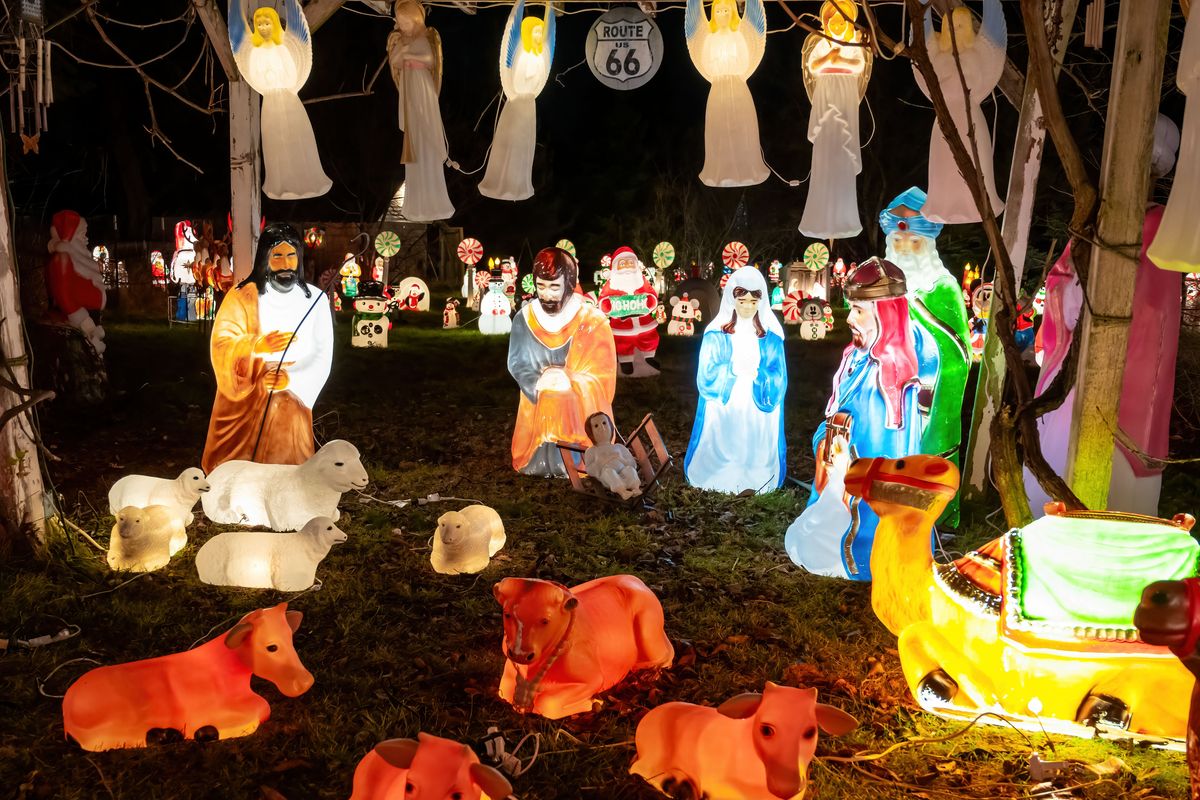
pixel 275 58
pixel 415 57
pixel 836 72
pixel 726 49
pixel 526 53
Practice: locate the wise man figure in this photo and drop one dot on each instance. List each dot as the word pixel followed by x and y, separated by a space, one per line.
pixel 935 304
pixel 562 355
pixel 271 348
pixel 873 410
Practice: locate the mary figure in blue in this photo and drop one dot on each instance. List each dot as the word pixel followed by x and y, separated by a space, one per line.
pixel 737 441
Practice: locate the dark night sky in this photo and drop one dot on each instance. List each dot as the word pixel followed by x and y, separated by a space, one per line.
pixel 601 157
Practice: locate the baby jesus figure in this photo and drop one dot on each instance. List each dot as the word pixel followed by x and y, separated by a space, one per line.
pixel 608 461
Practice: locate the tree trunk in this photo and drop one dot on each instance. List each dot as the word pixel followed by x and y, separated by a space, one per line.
pixel 245 174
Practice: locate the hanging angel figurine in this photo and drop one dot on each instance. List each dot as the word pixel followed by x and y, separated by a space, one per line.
pixel 415 56
pixel 276 61
pixel 982 55
pixel 836 73
pixel 525 57
pixel 1176 246
pixel 726 49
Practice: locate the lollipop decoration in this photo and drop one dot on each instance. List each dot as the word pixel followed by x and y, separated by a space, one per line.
pixel 792 304
pixel 663 255
pixel 816 256
pixel 568 245
pixel 387 244
pixel 527 285
pixel 735 255
pixel 470 251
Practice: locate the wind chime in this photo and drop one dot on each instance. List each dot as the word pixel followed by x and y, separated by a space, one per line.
pixel 31 90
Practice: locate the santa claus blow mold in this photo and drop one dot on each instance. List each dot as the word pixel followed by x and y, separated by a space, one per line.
pixel 74 280
pixel 629 301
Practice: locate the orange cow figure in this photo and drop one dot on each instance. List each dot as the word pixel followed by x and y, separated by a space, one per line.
pixel 565 646
pixel 751 747
pixel 433 768
pixel 201 694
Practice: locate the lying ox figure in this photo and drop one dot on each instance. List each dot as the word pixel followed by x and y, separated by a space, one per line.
pixel 752 747
pixel 426 767
pixel 565 646
pixel 201 694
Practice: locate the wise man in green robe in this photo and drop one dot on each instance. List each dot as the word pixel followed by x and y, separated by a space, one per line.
pixel 935 303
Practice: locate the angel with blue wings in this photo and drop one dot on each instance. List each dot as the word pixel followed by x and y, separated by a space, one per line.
pixel 726 49
pixel 276 61
pixel 982 56
pixel 525 57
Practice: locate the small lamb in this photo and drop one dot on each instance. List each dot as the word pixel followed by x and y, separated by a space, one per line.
pixel 284 497
pixel 609 462
pixel 144 539
pixel 142 491
pixel 262 560
pixel 465 540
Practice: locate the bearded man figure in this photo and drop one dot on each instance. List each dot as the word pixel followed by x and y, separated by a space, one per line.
pixel 935 304
pixel 271 349
pixel 562 355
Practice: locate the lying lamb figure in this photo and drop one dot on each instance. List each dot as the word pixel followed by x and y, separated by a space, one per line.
pixel 609 462
pixel 465 540
pixel 144 539
pixel 284 497
pixel 141 490
pixel 262 560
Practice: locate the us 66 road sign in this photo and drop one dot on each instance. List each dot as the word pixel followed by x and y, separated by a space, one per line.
pixel 624 48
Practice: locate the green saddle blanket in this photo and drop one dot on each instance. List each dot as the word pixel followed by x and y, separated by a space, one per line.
pixel 1077 571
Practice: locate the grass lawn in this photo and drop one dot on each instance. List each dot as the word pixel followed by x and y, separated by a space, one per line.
pixel 397 649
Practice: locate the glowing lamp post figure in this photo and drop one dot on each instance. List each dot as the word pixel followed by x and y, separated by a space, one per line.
pixel 738 440
pixel 525 57
pixel 726 50
pixel 836 73
pixel 276 63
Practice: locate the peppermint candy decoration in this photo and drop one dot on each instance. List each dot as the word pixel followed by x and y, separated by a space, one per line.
pixel 735 255
pixel 387 244
pixel 816 256
pixel 470 251
pixel 568 245
pixel 663 255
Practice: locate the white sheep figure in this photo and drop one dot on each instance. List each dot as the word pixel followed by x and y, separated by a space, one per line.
pixel 144 539
pixel 263 560
pixel 609 462
pixel 284 497
pixel 466 540
pixel 142 491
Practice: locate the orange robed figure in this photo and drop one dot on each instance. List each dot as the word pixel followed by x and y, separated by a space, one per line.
pixel 272 344
pixel 561 353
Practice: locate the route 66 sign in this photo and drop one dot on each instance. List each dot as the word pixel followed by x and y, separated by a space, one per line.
pixel 624 48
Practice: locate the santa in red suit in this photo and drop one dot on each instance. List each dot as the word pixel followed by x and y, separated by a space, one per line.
pixel 630 301
pixel 73 278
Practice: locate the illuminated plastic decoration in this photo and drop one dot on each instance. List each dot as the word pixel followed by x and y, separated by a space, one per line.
pixel 791 307
pixel 350 272
pixel 179 494
pixel 370 325
pixel 268 560
pixel 982 56
pixel 812 320
pixel 737 439
pixel 144 539
pixel 1037 625
pixel 933 304
pixel 466 540
pixel 1148 385
pixel 413 295
pixel 685 313
pixel 565 646
pixel 470 251
pixel 427 766
pixel 836 73
pixel 271 348
pixel 202 694
pixel 275 60
pixel 315 237
pixel 494 308
pixel 568 245
pixel 450 313
pixel 185 253
pixel 281 496
pixel 1177 246
pixel 158 268
pixel 526 53
pixel 608 460
pixel 873 411
pixel 663 255
pixel 74 280
pixel 734 255
pixel 387 243
pixel 630 302
pixel 726 50
pixel 751 746
pixel 563 357
pixel 415 56
pixel 981 308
